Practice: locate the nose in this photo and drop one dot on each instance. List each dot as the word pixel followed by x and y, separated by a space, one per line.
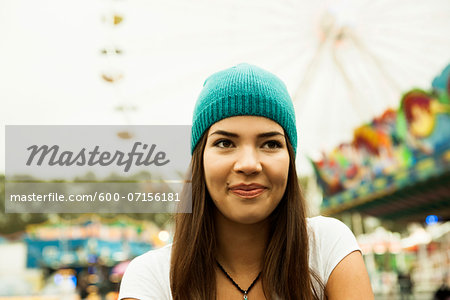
pixel 247 161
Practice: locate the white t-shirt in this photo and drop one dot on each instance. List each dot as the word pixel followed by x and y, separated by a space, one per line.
pixel 147 276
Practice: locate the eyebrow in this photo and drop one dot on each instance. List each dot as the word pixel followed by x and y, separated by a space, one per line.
pixel 261 135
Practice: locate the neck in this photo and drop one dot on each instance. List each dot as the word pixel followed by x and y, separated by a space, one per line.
pixel 240 247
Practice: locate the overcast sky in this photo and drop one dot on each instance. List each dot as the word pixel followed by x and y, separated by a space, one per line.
pixel 51 64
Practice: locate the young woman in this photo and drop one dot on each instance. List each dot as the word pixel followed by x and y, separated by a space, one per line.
pixel 248 236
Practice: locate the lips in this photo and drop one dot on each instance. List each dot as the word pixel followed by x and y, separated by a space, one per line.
pixel 247 190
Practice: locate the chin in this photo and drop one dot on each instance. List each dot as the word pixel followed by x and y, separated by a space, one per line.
pixel 248 218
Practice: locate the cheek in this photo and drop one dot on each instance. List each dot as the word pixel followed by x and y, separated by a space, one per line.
pixel 280 166
pixel 279 175
pixel 215 172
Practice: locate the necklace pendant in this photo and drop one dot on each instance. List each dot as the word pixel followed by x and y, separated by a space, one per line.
pixel 245 297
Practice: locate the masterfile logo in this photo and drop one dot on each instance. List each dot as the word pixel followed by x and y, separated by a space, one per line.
pixel 53 156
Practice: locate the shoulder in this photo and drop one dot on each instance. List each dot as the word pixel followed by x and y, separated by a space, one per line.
pixel 154 255
pixel 330 241
pixel 327 230
pixel 148 276
pixel 153 261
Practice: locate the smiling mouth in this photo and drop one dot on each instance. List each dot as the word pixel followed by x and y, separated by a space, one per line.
pixel 248 194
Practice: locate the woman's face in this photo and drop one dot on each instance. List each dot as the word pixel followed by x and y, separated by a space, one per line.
pixel 246 163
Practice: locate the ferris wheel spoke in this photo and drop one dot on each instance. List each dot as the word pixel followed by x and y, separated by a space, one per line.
pixel 310 72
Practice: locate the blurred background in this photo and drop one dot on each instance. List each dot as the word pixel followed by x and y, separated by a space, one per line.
pixel 370 85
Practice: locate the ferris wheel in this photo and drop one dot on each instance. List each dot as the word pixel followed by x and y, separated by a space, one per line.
pixel 343 61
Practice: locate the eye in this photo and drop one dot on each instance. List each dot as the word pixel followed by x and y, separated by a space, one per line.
pixel 223 143
pixel 272 144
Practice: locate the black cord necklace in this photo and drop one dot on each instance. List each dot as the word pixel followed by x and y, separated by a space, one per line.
pixel 245 292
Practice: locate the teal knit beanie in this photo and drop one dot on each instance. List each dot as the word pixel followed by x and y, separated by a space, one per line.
pixel 239 91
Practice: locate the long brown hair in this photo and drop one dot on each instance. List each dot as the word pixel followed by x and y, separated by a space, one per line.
pixel 285 270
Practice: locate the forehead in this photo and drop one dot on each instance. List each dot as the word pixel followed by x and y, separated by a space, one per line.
pixel 238 124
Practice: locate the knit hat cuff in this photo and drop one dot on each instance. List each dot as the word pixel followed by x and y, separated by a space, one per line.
pixel 244 104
